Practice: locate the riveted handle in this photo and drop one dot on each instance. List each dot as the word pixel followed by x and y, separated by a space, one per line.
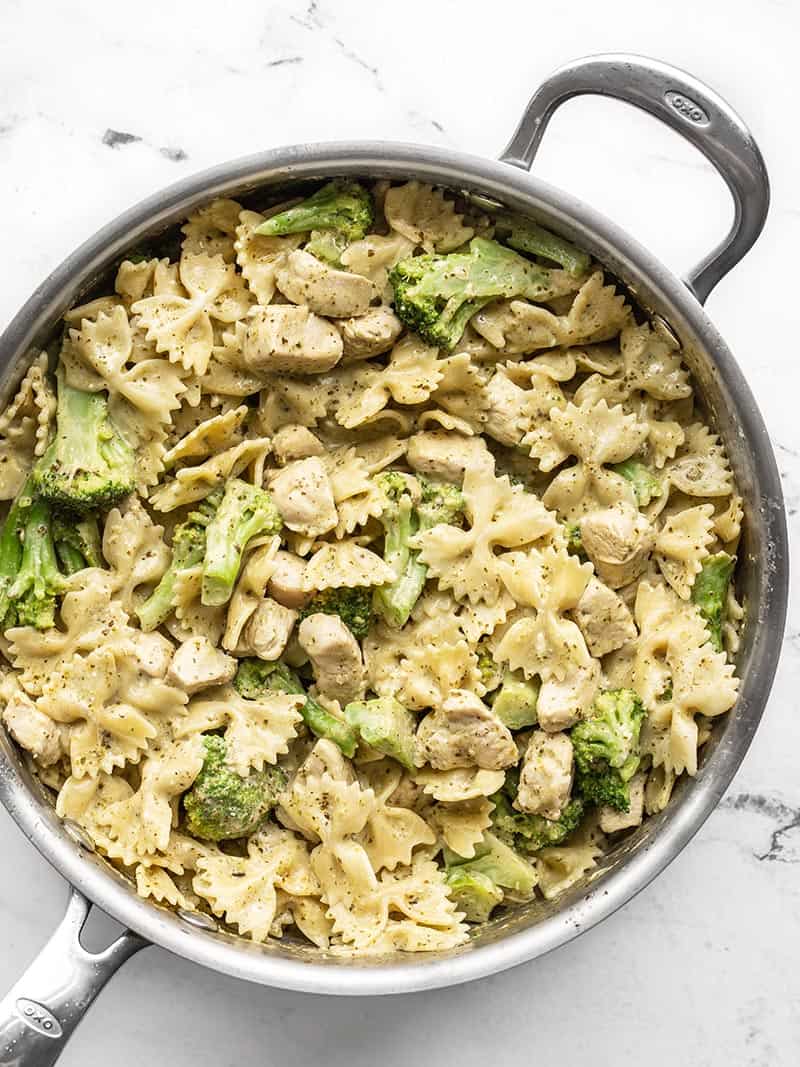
pixel 691 109
pixel 39 1015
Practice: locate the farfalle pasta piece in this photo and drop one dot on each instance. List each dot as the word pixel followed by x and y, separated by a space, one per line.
pixel 424 216
pixel 25 427
pixel 411 375
pixel 192 617
pixel 195 483
pixel 678 676
pixel 500 516
pixel 462 825
pixel 701 468
pixel 544 642
pixel 421 664
pixel 516 327
pixel 134 548
pixel 256 731
pixel 89 617
pixel 259 256
pixel 249 590
pixel 597 435
pixel 345 565
pixel 355 495
pixel 154 883
pixel 181 326
pixel 375 255
pixel 210 437
pixel 141 824
pixel 211 230
pixel 391 833
pixel 152 387
pixel 682 544
pixel 460 784
pixel 652 364
pixel 560 867
pixel 243 890
pixel 288 401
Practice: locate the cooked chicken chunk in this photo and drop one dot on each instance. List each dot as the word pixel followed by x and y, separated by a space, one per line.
pixel 545 781
pixel 335 656
pixel 304 279
pixel 32 729
pixel 286 583
pixel 370 334
pixel 153 653
pixel 618 540
pixel 268 630
pixel 444 455
pixel 303 495
pixel 464 732
pixel 562 703
pixel 197 665
pixel 612 820
pixel 295 442
pixel 604 619
pixel 285 338
pixel 505 411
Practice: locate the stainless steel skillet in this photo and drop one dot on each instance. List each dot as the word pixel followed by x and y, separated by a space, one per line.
pixel 42 1010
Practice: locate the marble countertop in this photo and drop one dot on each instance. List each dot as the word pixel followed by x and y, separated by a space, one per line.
pixel 102 105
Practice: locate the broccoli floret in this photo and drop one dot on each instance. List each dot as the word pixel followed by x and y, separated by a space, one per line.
pixel 529 833
pixel 473 893
pixel 77 543
pixel 188 550
pixel 327 245
pixel 527 236
pixel 403 517
pixel 516 701
pixel 245 512
pixel 32 594
pixel 11 550
pixel 343 206
pixel 386 726
pixel 646 486
pixel 353 606
pixel 606 748
pixel 575 540
pixel 494 859
pixel 221 804
pixel 710 593
pixel 487 668
pixel 255 677
pixel 437 295
pixel 87 465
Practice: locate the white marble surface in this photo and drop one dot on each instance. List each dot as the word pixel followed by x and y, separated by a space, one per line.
pixel 702 967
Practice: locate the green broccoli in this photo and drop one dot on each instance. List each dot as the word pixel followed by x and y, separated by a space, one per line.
pixel 575 540
pixel 257 676
pixel 88 464
pixel 403 517
pixel 188 550
pixel 473 893
pixel 327 245
pixel 494 859
pixel 437 295
pixel 32 594
pixel 606 748
pixel 646 486
pixel 11 550
pixel 343 206
pixel 516 700
pixel 221 804
pixel 353 606
pixel 487 668
pixel 245 512
pixel 529 833
pixel 385 725
pixel 77 543
pixel 527 236
pixel 710 593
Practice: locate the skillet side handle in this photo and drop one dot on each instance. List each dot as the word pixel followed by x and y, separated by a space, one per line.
pixel 39 1015
pixel 691 109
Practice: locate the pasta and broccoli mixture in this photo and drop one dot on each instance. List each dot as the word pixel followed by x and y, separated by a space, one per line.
pixel 366 568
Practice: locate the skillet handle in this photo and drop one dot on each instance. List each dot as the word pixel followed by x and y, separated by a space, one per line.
pixel 691 109
pixel 38 1016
